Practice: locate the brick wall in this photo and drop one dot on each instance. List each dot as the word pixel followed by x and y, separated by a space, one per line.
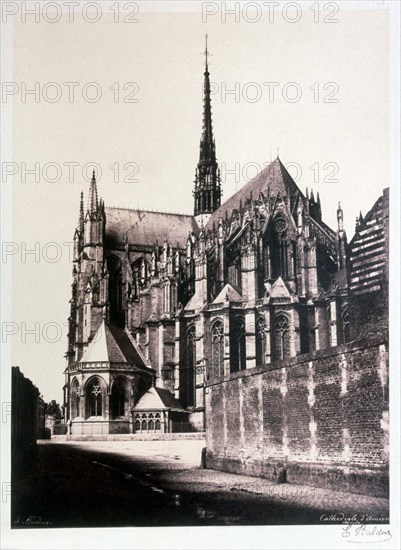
pixel 319 418
pixel 368 275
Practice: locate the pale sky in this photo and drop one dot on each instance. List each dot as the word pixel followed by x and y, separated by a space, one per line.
pixel 160 133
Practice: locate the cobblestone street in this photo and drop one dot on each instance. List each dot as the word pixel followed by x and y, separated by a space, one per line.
pixel 160 483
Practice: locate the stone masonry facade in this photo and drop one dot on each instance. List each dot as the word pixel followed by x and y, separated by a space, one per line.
pixel 320 418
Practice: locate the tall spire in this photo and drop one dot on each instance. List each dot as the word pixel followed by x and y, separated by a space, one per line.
pixel 207 176
pixel 92 197
pixel 206 53
pixel 81 213
pixel 340 218
pixel 207 147
pixel 318 205
pixel 341 238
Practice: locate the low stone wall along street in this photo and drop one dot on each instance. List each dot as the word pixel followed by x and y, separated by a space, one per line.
pixel 318 419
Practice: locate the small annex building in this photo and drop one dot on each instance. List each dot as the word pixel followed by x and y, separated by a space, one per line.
pixel 158 411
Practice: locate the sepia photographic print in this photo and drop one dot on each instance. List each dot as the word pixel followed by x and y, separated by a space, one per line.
pixel 200 274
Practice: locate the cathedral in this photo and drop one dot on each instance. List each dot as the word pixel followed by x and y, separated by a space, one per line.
pixel 163 304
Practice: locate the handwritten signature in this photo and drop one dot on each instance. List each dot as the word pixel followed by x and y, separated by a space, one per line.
pixel 32 520
pixel 365 533
pixel 359 519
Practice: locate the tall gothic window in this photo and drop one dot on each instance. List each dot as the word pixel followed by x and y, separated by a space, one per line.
pixel 281 337
pixel 190 368
pixel 234 266
pixel 218 349
pixel 75 398
pixel 260 341
pixel 346 326
pixel 237 345
pixel 280 249
pixel 118 398
pixel 94 398
pixel 115 290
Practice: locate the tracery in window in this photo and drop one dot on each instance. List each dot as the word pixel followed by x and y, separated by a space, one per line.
pixel 281 337
pixel 217 349
pixel 260 341
pixel 94 396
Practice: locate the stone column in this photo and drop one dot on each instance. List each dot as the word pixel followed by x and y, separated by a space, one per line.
pixel 226 324
pixel 200 361
pixel 250 338
pixel 313 453
pixel 333 322
pixel 177 358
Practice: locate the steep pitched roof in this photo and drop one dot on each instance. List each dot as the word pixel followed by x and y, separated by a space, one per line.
pixel 339 278
pixel 196 302
pixel 228 293
pixel 111 344
pixel 158 398
pixel 279 289
pixel 272 180
pixel 146 227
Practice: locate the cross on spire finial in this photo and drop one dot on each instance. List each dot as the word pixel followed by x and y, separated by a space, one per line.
pixel 206 52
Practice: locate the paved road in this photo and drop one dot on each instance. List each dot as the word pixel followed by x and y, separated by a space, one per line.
pixel 159 483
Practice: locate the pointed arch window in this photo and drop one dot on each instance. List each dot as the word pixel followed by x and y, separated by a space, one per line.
pixel 118 398
pixel 94 397
pixel 281 337
pixel 115 290
pixel 147 422
pixel 237 345
pixel 218 349
pixel 234 266
pixel 279 249
pixel 75 399
pixel 346 326
pixel 260 341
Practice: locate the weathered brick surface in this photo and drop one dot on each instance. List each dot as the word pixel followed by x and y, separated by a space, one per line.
pixel 273 415
pixel 298 411
pixel 232 418
pixel 318 419
pixel 360 405
pixel 328 410
pixel 251 428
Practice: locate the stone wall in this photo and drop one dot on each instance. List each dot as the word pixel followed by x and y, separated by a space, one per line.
pixel 319 419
